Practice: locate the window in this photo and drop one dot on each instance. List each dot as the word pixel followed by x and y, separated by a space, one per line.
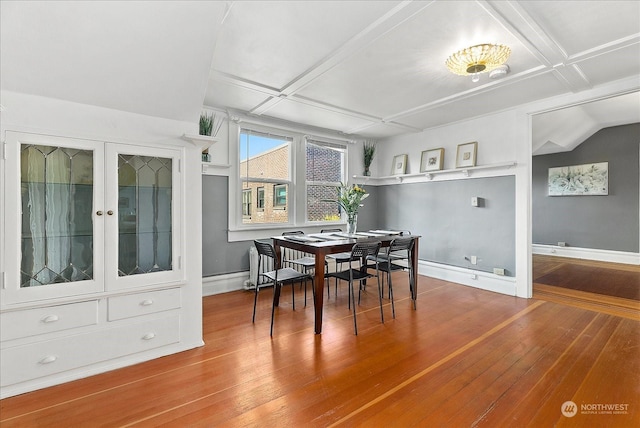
pixel 292 178
pixel 325 170
pixel 280 196
pixel 265 163
pixel 260 201
pixel 246 203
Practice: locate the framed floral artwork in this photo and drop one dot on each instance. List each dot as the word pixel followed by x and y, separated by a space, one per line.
pixel 432 160
pixel 399 165
pixel 466 155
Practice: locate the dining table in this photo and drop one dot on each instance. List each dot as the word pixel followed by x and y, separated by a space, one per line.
pixel 322 244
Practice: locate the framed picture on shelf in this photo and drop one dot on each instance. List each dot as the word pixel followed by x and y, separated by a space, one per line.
pixel 466 155
pixel 399 165
pixel 432 160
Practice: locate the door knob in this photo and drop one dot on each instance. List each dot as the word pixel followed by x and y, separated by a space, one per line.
pixel 110 212
pixel 99 213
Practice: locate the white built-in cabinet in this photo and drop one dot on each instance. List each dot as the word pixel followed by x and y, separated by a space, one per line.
pixel 92 256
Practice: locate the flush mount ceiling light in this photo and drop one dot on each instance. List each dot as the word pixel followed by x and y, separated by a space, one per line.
pixel 478 59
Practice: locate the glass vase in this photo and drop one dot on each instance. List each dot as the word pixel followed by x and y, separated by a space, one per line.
pixel 352 222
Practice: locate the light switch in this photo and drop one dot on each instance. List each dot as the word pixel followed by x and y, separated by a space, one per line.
pixel 474 201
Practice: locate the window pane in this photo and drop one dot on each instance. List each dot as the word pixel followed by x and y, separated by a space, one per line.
pixel 265 161
pixel 269 213
pixel 324 172
pixel 324 163
pixel 246 202
pixel 263 156
pixel 317 207
pixel 57 223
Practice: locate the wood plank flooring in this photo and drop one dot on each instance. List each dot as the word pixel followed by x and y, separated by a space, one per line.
pixel 464 358
pixel 554 280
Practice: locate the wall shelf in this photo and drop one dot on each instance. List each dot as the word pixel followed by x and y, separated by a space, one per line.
pixel 208 167
pixel 202 141
pixel 466 172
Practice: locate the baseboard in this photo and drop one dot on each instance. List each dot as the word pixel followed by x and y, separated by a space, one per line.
pixel 224 283
pixel 587 254
pixel 218 284
pixel 472 278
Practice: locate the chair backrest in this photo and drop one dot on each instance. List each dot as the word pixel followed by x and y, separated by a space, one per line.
pixel 364 249
pixel 265 249
pixel 290 253
pixel 398 246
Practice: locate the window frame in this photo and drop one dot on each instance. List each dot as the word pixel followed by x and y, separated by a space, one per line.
pixel 246 202
pixel 296 199
pixel 259 197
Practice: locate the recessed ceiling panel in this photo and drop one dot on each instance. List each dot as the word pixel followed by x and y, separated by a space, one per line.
pixel 315 116
pixel 221 94
pixel 271 43
pixel 613 65
pixel 578 26
pixel 405 68
pixel 501 98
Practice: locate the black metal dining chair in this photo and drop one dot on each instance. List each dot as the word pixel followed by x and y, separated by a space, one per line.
pixel 399 250
pixel 300 259
pixel 338 258
pixel 359 254
pixel 279 277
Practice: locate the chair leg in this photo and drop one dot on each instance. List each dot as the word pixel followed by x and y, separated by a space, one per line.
pixel 255 302
pixel 380 293
pixel 353 300
pixel 293 296
pixel 273 307
pixel 390 284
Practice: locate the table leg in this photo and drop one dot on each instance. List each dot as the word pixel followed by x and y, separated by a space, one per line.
pixel 318 283
pixel 276 289
pixel 413 278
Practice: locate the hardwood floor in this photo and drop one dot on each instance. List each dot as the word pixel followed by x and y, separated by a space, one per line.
pixel 465 357
pixel 601 290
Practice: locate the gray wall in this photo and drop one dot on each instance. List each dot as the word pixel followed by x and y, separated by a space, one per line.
pixel 599 222
pixel 451 228
pixel 440 212
pixel 218 255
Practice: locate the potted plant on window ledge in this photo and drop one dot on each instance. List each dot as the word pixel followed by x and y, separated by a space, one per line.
pixel 369 150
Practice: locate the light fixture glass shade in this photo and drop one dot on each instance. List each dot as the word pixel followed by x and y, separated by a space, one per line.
pixel 478 59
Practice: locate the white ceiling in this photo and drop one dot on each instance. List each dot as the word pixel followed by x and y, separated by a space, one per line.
pixel 371 69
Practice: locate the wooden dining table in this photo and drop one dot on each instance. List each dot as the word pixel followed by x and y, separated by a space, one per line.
pixel 320 245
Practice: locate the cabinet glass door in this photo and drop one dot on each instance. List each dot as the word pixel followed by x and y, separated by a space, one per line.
pixel 54 240
pixel 57 224
pixel 144 196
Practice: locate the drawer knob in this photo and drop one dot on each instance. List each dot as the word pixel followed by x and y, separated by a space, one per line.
pixel 48 359
pixel 50 318
pixel 147 302
pixel 149 336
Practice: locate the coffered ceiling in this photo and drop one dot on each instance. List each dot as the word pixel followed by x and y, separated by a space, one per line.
pixel 371 69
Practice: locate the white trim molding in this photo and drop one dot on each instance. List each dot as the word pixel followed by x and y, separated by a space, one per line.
pixel 219 284
pixel 588 254
pixel 472 278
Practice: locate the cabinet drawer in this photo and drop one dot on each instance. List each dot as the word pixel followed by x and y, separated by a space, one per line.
pixel 31 322
pixel 23 363
pixel 134 305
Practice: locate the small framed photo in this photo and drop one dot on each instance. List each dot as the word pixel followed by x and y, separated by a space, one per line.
pixel 399 165
pixel 466 155
pixel 432 160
